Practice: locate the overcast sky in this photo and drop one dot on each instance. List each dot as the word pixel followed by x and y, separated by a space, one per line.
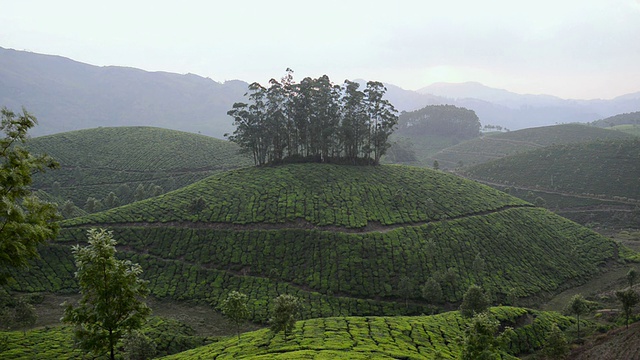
pixel 573 49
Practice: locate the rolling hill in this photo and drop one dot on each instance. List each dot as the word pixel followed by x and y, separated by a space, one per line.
pixel 423 337
pixel 420 337
pixel 576 179
pixel 495 146
pixel 98 161
pixel 339 237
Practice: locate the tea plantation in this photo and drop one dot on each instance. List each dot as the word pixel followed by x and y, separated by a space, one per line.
pixel 340 238
pixel 495 146
pixel 98 161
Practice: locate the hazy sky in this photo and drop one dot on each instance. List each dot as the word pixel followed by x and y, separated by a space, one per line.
pixel 567 48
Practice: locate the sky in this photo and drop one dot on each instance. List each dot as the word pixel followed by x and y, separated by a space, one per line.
pixel 583 49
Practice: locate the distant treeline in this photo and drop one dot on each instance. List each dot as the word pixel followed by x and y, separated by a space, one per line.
pixel 442 120
pixel 314 120
pixel 620 119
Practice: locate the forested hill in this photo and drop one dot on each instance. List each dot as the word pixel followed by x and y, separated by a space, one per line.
pixel 132 163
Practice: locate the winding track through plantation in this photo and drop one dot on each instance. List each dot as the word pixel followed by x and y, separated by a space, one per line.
pixel 371 227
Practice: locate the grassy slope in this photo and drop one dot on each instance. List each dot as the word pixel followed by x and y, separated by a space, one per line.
pixel 57 342
pixel 378 337
pixel 608 168
pixel 495 146
pixel 95 162
pixel 315 231
pixel 345 337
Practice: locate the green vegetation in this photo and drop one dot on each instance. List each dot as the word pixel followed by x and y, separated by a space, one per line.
pixel 170 337
pixel 382 337
pixel 339 238
pixel 495 146
pixel 444 120
pixel 606 169
pixel 122 160
pixel 422 133
pixel 111 289
pixel 314 120
pixel 632 118
pixel 25 220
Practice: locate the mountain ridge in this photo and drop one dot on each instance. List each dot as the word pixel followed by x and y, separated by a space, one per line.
pixel 66 95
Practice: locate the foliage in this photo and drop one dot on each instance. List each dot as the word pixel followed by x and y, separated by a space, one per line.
pixel 57 342
pixel 314 119
pixel 474 302
pixel 620 119
pixel 25 315
pixel 632 276
pixel 431 291
pixel 97 162
pixel 555 346
pixel 578 306
pixel 602 168
pixel 490 147
pixel 297 219
pixel 628 299
pixel 417 337
pixel 138 346
pixel 111 290
pixel 480 341
pixel 285 312
pixel 25 221
pixel 235 308
pixel 443 120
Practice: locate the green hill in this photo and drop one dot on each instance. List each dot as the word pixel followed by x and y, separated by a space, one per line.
pixel 339 237
pixel 495 146
pixel 420 337
pixel 98 161
pixel 380 338
pixel 570 176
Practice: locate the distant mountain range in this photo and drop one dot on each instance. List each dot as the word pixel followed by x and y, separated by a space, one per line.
pixel 68 95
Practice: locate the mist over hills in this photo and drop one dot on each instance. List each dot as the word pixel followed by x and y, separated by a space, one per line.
pixel 68 95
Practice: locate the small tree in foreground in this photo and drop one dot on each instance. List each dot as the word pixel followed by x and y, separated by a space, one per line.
pixel 285 312
pixel 578 306
pixel 629 299
pixel 235 308
pixel 110 306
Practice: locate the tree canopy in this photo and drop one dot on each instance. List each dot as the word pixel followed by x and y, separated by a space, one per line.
pixel 443 120
pixel 25 221
pixel 314 120
pixel 111 289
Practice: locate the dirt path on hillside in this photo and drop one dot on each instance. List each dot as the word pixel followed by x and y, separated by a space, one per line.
pixel 371 227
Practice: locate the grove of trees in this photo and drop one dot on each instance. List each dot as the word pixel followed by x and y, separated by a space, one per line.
pixel 314 120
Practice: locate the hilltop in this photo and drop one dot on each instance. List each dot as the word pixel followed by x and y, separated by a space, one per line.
pixel 495 146
pixel 96 162
pixel 339 237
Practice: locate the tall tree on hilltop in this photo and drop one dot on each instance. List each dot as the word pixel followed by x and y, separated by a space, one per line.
pixel 382 118
pixel 25 221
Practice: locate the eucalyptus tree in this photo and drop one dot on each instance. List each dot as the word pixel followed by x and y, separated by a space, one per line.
pixel 382 119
